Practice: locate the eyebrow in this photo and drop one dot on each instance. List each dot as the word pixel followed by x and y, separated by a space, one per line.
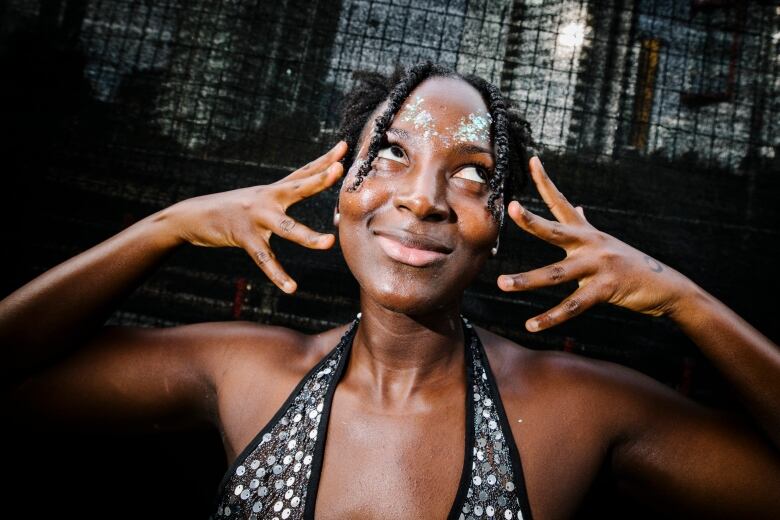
pixel 460 148
pixel 467 148
pixel 400 132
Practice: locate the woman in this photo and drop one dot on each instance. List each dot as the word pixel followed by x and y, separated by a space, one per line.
pixel 367 420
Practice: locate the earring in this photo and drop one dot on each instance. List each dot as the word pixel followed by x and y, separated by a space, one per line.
pixel 336 217
pixel 494 250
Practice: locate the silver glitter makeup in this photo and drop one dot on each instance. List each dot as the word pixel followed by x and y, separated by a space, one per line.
pixel 474 128
pixel 421 119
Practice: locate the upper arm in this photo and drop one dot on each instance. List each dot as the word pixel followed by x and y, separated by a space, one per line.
pixel 682 457
pixel 140 378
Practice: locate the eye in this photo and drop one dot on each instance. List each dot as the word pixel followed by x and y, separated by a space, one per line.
pixel 472 173
pixel 393 152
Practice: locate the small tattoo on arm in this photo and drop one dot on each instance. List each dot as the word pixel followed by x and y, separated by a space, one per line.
pixel 654 264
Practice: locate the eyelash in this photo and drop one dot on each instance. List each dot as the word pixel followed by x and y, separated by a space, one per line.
pixel 482 170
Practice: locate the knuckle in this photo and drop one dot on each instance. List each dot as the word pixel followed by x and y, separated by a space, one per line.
pixel 544 321
pixel 557 229
pixel 556 272
pixel 572 306
pixel 286 224
pixel 520 280
pixel 263 256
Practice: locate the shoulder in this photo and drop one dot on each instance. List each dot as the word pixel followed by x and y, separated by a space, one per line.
pixel 619 397
pixel 234 348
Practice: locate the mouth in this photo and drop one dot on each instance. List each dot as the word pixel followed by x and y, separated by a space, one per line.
pixel 411 249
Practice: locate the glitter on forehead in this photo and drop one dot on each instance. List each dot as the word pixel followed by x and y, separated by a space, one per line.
pixel 421 118
pixel 477 128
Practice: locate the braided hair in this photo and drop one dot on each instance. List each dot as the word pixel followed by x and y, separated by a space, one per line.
pixel 511 132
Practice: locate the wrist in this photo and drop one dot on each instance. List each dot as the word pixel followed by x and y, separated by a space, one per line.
pixel 164 227
pixel 689 302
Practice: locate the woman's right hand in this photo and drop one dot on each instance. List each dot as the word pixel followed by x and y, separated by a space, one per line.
pixel 247 217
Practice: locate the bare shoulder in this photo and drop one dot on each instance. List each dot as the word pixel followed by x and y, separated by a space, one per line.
pixel 151 378
pixel 247 347
pixel 260 366
pixel 618 396
pixel 571 415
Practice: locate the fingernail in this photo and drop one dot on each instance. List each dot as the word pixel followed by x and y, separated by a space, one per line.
pixel 506 281
pixel 532 325
pixel 289 286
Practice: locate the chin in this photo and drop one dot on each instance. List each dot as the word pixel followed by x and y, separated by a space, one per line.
pixel 408 294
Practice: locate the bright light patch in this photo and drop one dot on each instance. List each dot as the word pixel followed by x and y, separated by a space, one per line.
pixel 571 35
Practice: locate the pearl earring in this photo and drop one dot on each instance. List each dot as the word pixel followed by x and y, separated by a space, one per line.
pixel 494 250
pixel 336 217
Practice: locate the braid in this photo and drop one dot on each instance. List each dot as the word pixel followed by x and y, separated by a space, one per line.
pixel 395 99
pixel 511 132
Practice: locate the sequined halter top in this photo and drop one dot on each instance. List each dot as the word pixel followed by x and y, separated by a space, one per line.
pixel 277 475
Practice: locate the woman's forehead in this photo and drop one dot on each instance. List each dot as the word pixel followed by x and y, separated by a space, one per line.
pixel 446 111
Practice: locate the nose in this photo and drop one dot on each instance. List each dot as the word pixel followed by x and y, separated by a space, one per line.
pixel 423 192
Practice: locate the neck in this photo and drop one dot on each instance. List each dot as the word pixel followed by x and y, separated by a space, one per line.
pixel 396 357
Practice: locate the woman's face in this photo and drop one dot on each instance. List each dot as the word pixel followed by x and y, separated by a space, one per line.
pixel 417 230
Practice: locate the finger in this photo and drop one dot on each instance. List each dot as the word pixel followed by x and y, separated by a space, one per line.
pixel 580 211
pixel 320 163
pixel 556 202
pixel 576 303
pixel 568 269
pixel 265 259
pixel 298 189
pixel 548 230
pixel 290 229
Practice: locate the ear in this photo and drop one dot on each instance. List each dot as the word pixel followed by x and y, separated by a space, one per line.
pixel 336 216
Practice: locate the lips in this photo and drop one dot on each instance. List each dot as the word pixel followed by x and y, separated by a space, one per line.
pixel 410 248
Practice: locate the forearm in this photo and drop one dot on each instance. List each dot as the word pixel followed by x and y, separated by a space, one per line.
pixel 746 358
pixel 65 305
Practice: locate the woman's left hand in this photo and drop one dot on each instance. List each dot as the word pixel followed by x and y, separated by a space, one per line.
pixel 606 269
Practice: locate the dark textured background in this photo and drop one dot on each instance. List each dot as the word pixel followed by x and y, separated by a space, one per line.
pixel 659 117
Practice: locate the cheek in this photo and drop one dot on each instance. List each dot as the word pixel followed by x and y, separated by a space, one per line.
pixel 367 198
pixel 477 226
